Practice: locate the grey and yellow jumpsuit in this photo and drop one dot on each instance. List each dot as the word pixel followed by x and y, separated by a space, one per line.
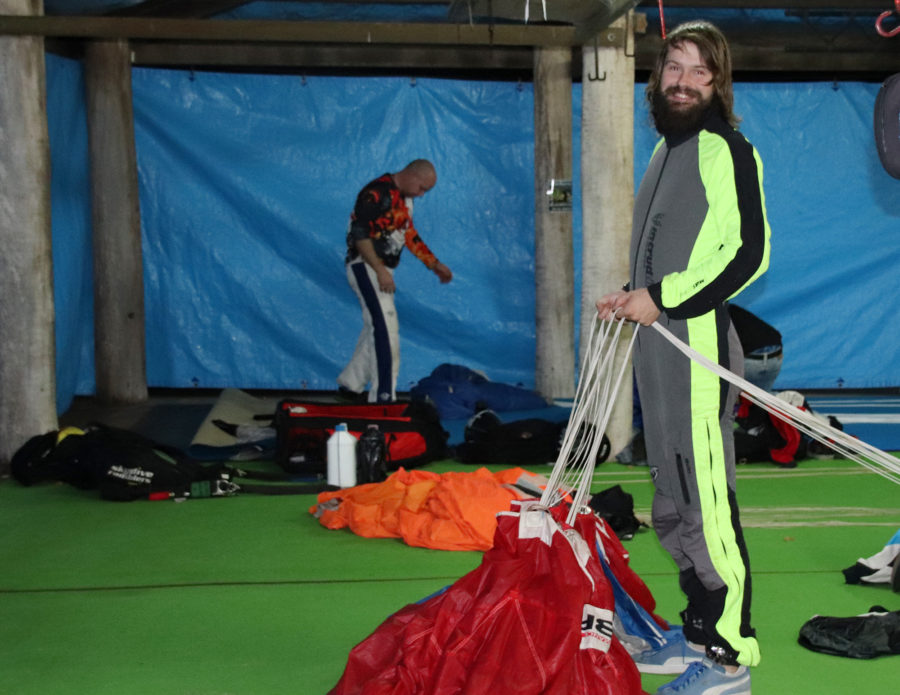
pixel 699 236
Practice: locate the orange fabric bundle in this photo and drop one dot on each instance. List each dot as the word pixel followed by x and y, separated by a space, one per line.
pixel 444 511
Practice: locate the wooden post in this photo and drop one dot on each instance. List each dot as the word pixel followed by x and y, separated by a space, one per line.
pixel 554 257
pixel 607 192
pixel 119 334
pixel 27 338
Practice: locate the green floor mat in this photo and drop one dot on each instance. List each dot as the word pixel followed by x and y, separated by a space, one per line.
pixel 251 596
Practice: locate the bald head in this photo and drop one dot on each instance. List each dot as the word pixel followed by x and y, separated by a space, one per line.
pixel 416 178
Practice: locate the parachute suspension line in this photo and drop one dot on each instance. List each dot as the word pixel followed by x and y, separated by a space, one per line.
pixel 849 447
pixel 567 470
pixel 595 395
pixel 527 9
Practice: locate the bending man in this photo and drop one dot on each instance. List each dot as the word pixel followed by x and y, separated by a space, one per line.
pixel 380 227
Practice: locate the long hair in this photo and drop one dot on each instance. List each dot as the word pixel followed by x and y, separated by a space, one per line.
pixel 713 48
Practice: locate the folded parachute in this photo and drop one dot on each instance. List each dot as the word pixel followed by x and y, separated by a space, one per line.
pixel 444 511
pixel 536 616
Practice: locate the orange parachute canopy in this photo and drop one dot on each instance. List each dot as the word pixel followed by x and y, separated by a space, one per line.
pixel 444 511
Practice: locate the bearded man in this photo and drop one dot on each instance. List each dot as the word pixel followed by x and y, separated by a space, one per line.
pixel 699 236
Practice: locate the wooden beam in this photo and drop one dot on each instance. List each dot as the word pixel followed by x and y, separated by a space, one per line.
pixel 263 31
pixel 600 21
pixel 333 57
pixel 791 56
pixel 554 264
pixel 607 195
pixel 119 333
pixel 247 45
pixel 787 49
pixel 27 342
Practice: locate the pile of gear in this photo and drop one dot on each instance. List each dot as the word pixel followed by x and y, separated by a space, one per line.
pixel 871 634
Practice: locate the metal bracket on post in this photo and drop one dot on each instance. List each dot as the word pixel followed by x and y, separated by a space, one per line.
pixel 611 37
pixel 596 76
pixel 629 34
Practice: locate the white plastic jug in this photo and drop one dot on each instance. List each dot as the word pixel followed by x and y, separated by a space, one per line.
pixel 341 452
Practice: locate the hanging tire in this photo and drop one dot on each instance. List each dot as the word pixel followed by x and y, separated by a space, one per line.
pixel 887 125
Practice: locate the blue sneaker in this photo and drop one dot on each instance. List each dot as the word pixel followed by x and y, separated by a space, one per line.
pixel 673 657
pixel 706 678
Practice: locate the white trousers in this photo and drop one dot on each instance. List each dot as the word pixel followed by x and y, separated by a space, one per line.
pixel 376 359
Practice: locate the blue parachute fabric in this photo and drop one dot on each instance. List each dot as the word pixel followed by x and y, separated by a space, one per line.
pixel 344 12
pixel 835 218
pixel 635 619
pixel 458 391
pixel 245 223
pixel 70 214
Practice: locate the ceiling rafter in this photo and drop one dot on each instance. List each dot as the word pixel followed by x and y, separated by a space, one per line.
pixel 264 31
pixel 178 34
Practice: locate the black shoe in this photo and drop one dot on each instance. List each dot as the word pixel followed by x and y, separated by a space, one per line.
pixel 345 394
pixel 817 450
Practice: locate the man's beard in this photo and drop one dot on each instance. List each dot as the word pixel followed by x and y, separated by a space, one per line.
pixel 681 119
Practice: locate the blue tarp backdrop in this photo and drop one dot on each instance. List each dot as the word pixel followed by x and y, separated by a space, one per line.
pixel 247 182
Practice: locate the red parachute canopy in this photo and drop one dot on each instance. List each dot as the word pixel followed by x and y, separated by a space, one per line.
pixel 535 617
